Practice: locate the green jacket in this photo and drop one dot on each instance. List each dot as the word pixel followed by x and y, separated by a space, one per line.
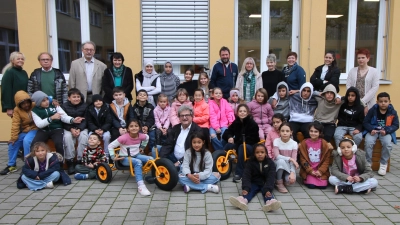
pixel 363 167
pixel 14 79
pixel 41 116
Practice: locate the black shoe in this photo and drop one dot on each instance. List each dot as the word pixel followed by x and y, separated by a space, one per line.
pixel 20 153
pixel 237 178
pixel 344 189
pixel 71 167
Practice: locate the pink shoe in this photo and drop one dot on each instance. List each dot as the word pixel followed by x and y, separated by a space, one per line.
pixel 271 205
pixel 239 202
pixel 281 187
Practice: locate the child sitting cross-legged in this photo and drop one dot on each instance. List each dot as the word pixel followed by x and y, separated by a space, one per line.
pixel 197 167
pixel 93 154
pixel 350 170
pixel 259 175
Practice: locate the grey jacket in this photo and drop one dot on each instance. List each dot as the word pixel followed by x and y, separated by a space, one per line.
pixel 363 167
pixel 60 85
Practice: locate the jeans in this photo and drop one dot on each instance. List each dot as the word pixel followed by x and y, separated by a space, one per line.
pixel 240 162
pixel 69 142
pixel 253 192
pixel 217 144
pixel 329 130
pixel 152 139
pixel 35 185
pixel 25 140
pixel 106 140
pixel 137 163
pixel 202 186
pixel 386 142
pixel 357 187
pixel 342 130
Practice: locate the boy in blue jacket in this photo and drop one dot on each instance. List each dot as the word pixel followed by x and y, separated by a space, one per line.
pixel 381 122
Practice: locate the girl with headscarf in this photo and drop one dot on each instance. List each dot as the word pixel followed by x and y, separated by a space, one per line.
pixel 148 80
pixel 249 80
pixel 169 81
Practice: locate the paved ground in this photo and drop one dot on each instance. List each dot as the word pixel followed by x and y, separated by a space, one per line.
pixel 91 202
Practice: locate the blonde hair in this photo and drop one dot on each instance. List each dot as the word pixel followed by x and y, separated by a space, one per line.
pixel 13 56
pixel 204 74
pixel 246 60
pixel 36 146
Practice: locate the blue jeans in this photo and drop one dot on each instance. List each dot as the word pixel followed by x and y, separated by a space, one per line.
pixel 35 185
pixel 217 144
pixel 25 140
pixel 240 151
pixel 137 163
pixel 386 142
pixel 202 186
pixel 253 192
pixel 152 139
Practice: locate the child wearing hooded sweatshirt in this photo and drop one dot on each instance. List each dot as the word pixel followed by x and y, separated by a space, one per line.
pixel 182 98
pixel 169 82
pixel 281 98
pixel 23 130
pixel 262 112
pixel 122 112
pixel 350 118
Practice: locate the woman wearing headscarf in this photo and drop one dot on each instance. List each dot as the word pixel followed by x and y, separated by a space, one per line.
pixel 148 80
pixel 249 80
pixel 169 82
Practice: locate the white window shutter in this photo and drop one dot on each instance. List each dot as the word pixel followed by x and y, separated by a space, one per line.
pixel 175 30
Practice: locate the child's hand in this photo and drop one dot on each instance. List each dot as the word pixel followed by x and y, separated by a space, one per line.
pixel 78 119
pixel 218 131
pixel 356 131
pixel 145 129
pixel 10 113
pixel 292 178
pixel 365 110
pixel 268 194
pixel 122 131
pixel 383 132
pixel 350 179
pixel 296 165
pixel 117 158
pixel 244 192
pixel 55 103
pixel 141 151
pixel 56 116
pixel 273 103
pixel 373 132
pixel 231 140
pixel 338 101
pixel 90 165
pixel 37 178
pixel 317 173
pixel 357 179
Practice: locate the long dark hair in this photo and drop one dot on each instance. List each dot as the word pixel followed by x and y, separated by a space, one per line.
pixel 203 150
pixel 334 63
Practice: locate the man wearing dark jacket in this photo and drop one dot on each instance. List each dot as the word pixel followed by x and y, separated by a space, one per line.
pixel 178 139
pixel 76 108
pixel 48 79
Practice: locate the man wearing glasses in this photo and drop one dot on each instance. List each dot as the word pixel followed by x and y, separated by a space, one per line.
pixel 178 139
pixel 48 79
pixel 86 73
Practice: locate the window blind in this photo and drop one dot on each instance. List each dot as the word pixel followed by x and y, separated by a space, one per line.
pixel 175 30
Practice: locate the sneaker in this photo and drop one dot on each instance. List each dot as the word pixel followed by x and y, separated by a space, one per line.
pixel 239 202
pixel 344 189
pixel 150 179
pixel 143 190
pixel 50 185
pixel 382 170
pixel 271 205
pixel 9 169
pixel 186 188
pixel 237 178
pixel 213 188
pixel 81 176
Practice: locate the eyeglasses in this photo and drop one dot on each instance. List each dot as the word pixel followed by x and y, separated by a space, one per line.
pixel 185 115
pixel 88 49
pixel 45 59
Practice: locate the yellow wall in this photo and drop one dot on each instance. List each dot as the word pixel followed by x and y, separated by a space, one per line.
pixel 222 28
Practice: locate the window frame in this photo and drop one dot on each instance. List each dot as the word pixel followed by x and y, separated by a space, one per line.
pixel 60 3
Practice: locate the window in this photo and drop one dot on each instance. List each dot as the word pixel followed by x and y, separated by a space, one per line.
pixel 8 32
pixel 77 10
pixel 62 6
pixel 64 54
pixel 95 18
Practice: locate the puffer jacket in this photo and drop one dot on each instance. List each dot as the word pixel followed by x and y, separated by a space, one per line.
pixel 102 121
pixel 323 165
pixel 78 110
pixel 173 112
pixel 262 113
pixel 201 114
pixel 161 117
pixel 220 116
pixel 60 85
pixel 22 120
pixel 248 127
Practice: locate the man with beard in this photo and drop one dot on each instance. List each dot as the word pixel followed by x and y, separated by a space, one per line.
pixel 224 73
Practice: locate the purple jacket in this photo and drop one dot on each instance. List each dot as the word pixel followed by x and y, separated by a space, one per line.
pixel 161 117
pixel 262 114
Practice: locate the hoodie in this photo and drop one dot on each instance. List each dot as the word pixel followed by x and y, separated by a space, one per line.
pixel 351 115
pixel 302 110
pixel 22 120
pixel 327 111
pixel 224 76
pixel 282 105
pixel 121 114
pixel 169 83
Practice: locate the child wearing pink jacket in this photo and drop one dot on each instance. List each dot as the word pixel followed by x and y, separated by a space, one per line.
pixel 161 118
pixel 262 112
pixel 221 116
pixel 182 98
pixel 273 134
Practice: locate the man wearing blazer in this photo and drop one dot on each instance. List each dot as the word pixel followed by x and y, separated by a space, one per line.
pixel 87 72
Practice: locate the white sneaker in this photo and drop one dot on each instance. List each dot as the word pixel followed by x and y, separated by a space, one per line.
pixel 213 188
pixel 186 188
pixel 50 185
pixel 382 170
pixel 143 190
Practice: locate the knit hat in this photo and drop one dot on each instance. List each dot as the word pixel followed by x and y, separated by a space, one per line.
pixel 97 97
pixel 38 97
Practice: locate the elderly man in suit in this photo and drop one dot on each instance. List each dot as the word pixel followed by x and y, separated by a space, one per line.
pixel 87 72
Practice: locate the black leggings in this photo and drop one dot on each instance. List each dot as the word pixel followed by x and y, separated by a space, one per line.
pixel 302 127
pixel 56 135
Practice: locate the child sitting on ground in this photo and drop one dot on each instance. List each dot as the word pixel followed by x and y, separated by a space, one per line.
pixel 259 175
pixel 182 98
pixel 381 122
pixel 262 112
pixel 350 170
pixel 161 116
pixel 197 167
pixel 314 158
pixel 93 155
pixel 23 130
pixel 144 112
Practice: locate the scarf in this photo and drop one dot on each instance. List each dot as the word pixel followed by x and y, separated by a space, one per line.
pixel 249 83
pixel 287 70
pixel 118 71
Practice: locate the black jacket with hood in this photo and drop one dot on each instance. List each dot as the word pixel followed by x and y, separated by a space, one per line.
pixel 351 116
pixel 95 121
pixel 236 130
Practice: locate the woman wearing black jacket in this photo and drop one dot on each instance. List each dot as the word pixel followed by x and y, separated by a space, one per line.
pixel 326 74
pixel 242 125
pixel 117 75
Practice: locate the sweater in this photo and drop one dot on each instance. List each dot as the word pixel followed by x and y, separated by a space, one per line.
pixel 248 127
pixel 222 115
pixel 208 164
pixel 371 84
pixel 224 76
pixel 305 161
pixel 260 173
pixel 327 111
pixel 285 150
pixel 93 155
pixel 262 113
pixel 332 77
pixel 271 79
pixel 201 114
pixel 108 83
pixel 161 117
pixel 126 141
pixel 22 120
pixel 296 78
pixel 173 112
pixel 14 79
pixel 392 121
pixel 363 167
pixel 351 115
pixel 302 110
pixel 269 143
